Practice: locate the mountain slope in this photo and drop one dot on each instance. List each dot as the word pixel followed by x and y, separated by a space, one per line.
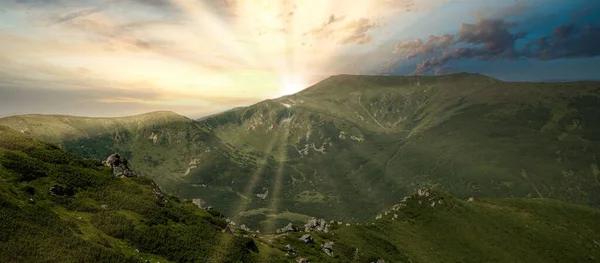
pixel 89 215
pixel 349 146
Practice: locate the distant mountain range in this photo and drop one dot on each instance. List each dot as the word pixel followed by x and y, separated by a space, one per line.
pixel 351 146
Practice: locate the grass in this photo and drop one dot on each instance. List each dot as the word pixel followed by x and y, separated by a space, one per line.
pixel 360 143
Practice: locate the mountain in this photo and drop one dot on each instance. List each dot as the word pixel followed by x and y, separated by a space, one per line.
pixel 57 207
pixel 349 146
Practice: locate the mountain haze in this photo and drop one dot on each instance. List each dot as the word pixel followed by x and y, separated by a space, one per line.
pixel 349 146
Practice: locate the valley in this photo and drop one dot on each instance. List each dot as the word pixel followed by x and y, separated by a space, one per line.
pixel 350 146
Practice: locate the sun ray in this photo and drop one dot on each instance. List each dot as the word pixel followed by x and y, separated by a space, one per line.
pixel 278 183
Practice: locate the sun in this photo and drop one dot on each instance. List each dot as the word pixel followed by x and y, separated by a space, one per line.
pixel 291 87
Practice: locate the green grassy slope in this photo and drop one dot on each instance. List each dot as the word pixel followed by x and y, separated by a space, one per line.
pixel 351 145
pixel 102 218
pixel 99 218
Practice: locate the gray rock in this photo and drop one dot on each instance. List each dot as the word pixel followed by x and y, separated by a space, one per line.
pixel 302 260
pixel 289 228
pixel 314 224
pixel 328 248
pixel 307 239
pixel 120 166
pixel 200 203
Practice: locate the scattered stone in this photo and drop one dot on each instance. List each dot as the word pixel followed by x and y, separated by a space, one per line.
pixel 307 239
pixel 244 227
pixel 200 203
pixel 104 207
pixel 379 216
pixel 328 248
pixel 470 199
pixel 302 260
pixel 120 166
pixel 290 250
pixel 263 196
pixel 289 228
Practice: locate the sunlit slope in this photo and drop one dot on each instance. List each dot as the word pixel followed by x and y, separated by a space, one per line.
pixel 350 145
pixel 347 146
pixel 89 215
pixel 451 230
pixel 161 145
pixel 97 217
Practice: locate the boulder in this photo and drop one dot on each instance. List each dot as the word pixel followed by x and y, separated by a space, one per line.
pixel 314 224
pixel 289 228
pixel 200 203
pixel 120 166
pixel 328 248
pixel 307 239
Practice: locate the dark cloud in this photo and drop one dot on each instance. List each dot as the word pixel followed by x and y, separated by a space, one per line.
pixel 496 39
pixel 412 48
pixel 74 15
pixel 567 41
pixel 484 40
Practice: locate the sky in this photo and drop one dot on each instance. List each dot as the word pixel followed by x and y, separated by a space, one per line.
pixel 200 57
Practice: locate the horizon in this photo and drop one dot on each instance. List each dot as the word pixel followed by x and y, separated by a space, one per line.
pixel 121 58
pixel 249 105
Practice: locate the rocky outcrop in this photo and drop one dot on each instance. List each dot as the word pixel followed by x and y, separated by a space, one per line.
pixel 200 203
pixel 314 224
pixel 289 228
pixel 120 166
pixel 307 239
pixel 328 248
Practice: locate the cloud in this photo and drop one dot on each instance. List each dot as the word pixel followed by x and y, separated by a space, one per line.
pixel 412 48
pixel 484 40
pixel 358 31
pixel 567 41
pixel 74 15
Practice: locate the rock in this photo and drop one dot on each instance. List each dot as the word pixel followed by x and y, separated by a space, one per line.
pixel 244 227
pixel 379 261
pixel 328 248
pixel 302 260
pixel 290 250
pixel 200 203
pixel 57 190
pixel 120 166
pixel 289 228
pixel 104 207
pixel 263 196
pixel 470 199
pixel 378 216
pixel 314 224
pixel 159 196
pixel 307 239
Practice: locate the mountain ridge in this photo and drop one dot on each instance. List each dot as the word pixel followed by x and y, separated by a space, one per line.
pixel 347 152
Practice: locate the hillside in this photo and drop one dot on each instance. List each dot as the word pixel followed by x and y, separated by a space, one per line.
pixel 89 215
pixel 350 146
